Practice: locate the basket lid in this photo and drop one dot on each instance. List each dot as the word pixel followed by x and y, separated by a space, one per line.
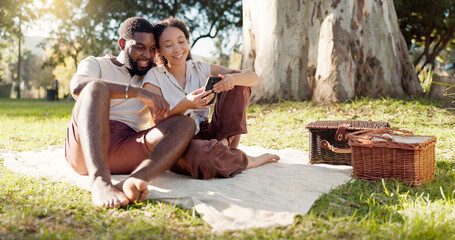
pixel 350 124
pixel 390 138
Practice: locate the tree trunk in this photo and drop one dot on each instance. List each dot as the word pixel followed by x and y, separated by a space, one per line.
pixel 19 60
pixel 326 50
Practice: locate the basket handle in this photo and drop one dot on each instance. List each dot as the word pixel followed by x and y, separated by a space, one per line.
pixel 326 145
pixel 379 130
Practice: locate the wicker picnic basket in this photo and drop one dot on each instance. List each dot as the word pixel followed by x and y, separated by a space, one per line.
pixel 393 153
pixel 329 142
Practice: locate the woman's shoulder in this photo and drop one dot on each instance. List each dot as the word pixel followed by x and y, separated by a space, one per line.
pixel 158 70
pixel 197 63
pixel 154 76
pixel 199 66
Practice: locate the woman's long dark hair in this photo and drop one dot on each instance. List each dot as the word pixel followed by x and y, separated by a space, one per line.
pixel 158 29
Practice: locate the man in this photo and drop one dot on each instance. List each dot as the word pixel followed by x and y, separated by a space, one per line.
pixel 109 132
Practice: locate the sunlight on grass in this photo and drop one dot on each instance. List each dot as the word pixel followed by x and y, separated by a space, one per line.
pixel 30 124
pixel 34 208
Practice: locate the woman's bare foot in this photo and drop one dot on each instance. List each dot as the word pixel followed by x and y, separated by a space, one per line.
pixel 261 160
pixel 106 195
pixel 135 189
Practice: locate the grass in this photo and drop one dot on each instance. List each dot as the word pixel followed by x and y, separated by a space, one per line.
pixel 32 208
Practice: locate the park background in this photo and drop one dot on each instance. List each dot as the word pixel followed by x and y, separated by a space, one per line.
pixel 36 208
pixel 44 40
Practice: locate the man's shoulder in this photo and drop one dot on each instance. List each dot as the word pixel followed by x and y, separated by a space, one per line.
pixel 105 58
pixel 102 63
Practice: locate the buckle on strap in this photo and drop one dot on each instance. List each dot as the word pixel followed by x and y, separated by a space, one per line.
pixel 341 135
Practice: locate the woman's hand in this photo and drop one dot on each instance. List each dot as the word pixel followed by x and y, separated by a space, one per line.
pixel 227 83
pixel 198 99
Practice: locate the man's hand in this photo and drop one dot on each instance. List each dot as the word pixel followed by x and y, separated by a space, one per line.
pixel 159 108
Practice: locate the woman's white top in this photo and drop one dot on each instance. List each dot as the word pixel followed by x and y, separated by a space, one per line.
pixel 196 77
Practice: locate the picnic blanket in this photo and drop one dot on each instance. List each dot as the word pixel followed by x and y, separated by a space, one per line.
pixel 267 196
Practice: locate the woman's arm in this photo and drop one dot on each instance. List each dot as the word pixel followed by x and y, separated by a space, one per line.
pixel 232 77
pixel 194 100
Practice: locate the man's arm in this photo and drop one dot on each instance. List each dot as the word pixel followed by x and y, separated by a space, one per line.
pixel 158 106
pixel 117 90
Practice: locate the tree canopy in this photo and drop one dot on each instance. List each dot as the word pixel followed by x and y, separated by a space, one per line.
pixel 427 25
pixel 13 11
pixel 91 26
pixel 13 15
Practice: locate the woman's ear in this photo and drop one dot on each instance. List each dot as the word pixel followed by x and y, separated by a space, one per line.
pixel 121 43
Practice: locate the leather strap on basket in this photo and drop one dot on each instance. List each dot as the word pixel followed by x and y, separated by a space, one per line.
pixel 341 135
pixel 369 132
pixel 326 145
pixel 366 138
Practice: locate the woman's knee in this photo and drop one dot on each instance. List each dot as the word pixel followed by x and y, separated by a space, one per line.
pixel 242 90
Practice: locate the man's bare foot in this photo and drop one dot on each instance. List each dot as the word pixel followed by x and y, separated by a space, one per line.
pixel 261 160
pixel 135 189
pixel 106 195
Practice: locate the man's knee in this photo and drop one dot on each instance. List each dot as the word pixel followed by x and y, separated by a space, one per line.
pixel 95 89
pixel 181 123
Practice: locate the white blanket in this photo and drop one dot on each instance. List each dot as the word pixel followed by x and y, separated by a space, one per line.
pixel 266 196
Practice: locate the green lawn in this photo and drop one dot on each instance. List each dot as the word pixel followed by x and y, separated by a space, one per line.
pixel 32 208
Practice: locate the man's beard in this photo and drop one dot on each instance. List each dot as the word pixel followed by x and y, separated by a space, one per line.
pixel 132 67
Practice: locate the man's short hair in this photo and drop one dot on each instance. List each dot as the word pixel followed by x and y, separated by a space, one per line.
pixel 134 24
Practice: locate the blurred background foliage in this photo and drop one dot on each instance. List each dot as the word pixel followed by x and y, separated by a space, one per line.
pixel 80 28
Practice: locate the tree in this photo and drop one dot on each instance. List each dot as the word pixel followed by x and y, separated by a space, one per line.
pixel 90 27
pixel 324 50
pixel 77 33
pixel 428 25
pixel 8 64
pixel 34 74
pixel 63 73
pixel 13 15
pixel 205 18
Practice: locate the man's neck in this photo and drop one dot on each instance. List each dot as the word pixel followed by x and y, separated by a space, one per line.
pixel 120 61
pixel 121 58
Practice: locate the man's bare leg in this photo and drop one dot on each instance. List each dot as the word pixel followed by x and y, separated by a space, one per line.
pixel 261 160
pixel 92 114
pixel 135 189
pixel 168 141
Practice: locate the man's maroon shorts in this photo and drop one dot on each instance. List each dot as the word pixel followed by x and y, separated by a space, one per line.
pixel 126 148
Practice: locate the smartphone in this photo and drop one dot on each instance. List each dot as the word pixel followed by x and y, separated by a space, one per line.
pixel 209 86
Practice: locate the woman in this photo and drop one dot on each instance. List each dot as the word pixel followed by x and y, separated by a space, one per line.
pixel 213 151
